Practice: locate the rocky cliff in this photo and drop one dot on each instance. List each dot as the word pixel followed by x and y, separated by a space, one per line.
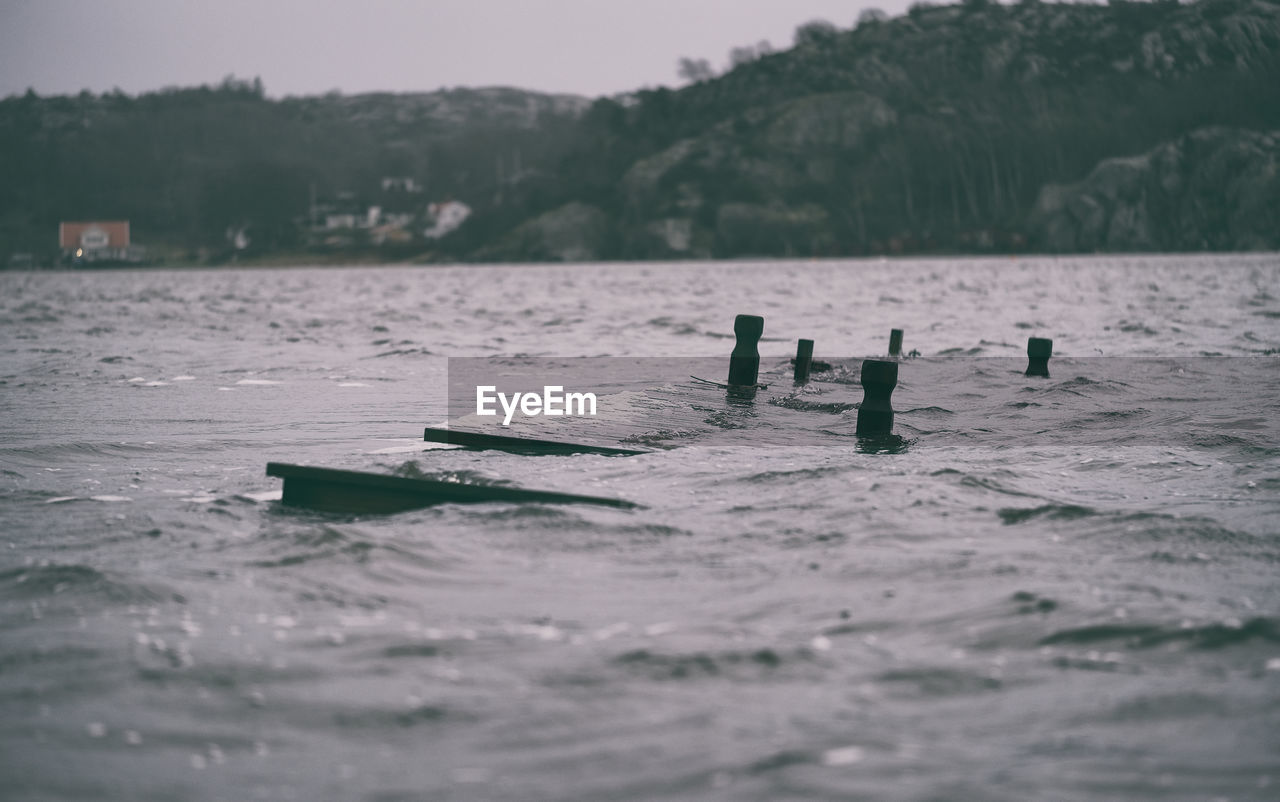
pixel 977 127
pixel 1213 189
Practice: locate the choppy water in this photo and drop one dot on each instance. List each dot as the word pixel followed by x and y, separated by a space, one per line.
pixel 1062 589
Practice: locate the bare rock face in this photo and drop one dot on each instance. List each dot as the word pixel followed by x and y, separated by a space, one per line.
pixel 833 120
pixel 574 232
pixel 675 234
pixel 1215 188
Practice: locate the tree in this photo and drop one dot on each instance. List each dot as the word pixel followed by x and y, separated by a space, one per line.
pixel 695 70
pixel 871 16
pixel 749 53
pixel 815 32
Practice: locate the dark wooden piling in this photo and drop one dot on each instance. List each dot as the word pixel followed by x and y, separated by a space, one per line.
pixel 895 342
pixel 1039 349
pixel 744 362
pixel 804 357
pixel 353 492
pixel 875 414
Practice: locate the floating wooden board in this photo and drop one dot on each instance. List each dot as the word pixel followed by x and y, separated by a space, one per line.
pixel 332 490
pixel 519 445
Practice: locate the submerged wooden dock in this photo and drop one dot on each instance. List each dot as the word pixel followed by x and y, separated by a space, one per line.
pixel 528 446
pixel 330 490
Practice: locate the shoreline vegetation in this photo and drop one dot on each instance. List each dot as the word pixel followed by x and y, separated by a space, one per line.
pixel 339 261
pixel 968 129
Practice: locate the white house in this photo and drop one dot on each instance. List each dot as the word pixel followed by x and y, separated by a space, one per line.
pixel 447 216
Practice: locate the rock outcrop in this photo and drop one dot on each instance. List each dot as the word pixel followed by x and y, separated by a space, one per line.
pixel 1213 189
pixel 574 232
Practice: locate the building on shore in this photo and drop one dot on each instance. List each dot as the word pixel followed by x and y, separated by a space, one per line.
pixel 97 242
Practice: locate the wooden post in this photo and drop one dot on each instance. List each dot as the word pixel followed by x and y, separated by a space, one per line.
pixel 875 414
pixel 804 356
pixel 744 362
pixel 895 342
pixel 1039 349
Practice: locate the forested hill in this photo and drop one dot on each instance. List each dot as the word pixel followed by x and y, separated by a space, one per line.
pixel 952 128
pixel 189 166
pixel 974 128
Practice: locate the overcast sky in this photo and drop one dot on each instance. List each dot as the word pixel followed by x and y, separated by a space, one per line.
pixel 301 47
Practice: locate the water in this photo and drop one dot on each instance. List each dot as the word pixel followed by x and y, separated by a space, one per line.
pixel 1059 589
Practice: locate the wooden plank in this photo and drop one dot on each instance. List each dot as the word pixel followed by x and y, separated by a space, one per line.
pixel 519 445
pixel 331 490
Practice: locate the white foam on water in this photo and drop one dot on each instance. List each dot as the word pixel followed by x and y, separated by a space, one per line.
pixel 266 495
pixel 257 381
pixel 352 384
pixel 843 756
pixel 605 633
pixel 413 449
pixel 61 499
pixel 183 379
pixel 110 498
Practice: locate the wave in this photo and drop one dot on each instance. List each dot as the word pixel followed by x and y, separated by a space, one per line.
pixel 321 543
pixel 1148 526
pixel 937 681
pixel 36 582
pixel 412 469
pixel 928 412
pixel 801 475
pixel 1217 635
pixel 801 405
pixel 733 664
pixel 1052 512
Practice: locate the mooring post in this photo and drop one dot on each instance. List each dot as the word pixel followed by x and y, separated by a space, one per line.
pixel 895 342
pixel 744 362
pixel 804 357
pixel 1039 349
pixel 875 414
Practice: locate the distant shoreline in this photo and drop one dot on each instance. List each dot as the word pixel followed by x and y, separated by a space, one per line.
pixel 299 263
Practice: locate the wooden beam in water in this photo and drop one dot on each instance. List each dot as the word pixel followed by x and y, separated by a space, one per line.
pixel 519 445
pixel 744 362
pixel 875 413
pixel 1039 349
pixel 895 342
pixel 803 361
pixel 332 490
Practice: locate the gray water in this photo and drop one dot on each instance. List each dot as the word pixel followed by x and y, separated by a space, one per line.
pixel 1059 589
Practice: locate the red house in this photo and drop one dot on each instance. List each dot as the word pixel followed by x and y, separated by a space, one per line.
pixel 97 241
